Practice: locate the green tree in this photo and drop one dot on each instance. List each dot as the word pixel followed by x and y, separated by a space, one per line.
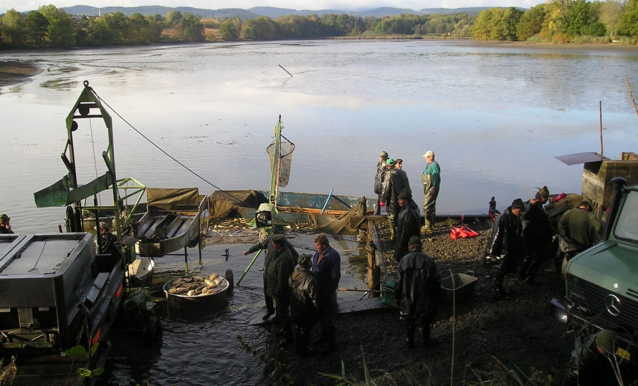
pixel 99 32
pixel 629 21
pixel 172 18
pixel 260 28
pixel 189 28
pixel 13 29
pixel 610 14
pixel 36 28
pixel 228 31
pixel 120 26
pixel 578 17
pixel 60 32
pixel 531 22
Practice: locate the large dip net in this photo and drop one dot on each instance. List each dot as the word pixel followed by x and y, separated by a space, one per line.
pixel 285 150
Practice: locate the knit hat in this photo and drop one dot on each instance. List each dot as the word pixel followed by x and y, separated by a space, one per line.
pixel 544 191
pixel 4 217
pixel 390 162
pixel 384 154
pixel 414 240
pixel 605 341
pixel 304 259
pixel 518 203
pixel 404 194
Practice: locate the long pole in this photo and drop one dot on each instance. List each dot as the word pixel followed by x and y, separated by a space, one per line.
pixel 249 265
pixel 632 95
pixel 327 199
pixel 600 109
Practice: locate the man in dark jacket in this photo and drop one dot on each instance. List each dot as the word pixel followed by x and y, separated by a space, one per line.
pixel 393 183
pixel 304 303
pixel 407 224
pixel 265 245
pixel 5 224
pixel 277 274
pixel 398 165
pixel 537 235
pixel 417 290
pixel 326 266
pixel 507 241
pixel 378 179
pixel 579 229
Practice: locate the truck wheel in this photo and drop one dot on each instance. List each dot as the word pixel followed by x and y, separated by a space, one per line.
pixel 231 283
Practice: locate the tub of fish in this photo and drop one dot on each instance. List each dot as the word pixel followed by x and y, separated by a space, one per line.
pixel 197 291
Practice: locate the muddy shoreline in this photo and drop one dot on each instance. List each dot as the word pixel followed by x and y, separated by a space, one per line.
pixel 12 72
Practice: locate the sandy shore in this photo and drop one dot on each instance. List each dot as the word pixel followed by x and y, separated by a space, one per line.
pixel 12 72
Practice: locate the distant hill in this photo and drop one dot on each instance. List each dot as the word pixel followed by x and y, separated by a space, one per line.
pixel 271 12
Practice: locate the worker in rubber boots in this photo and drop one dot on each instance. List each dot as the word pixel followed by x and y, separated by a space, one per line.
pixel 537 235
pixel 507 241
pixel 266 244
pixel 431 179
pixel 304 304
pixel 393 183
pixel 407 224
pixel 378 179
pixel 326 266
pixel 417 290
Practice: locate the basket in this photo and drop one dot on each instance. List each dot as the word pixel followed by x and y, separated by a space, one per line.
pixel 461 283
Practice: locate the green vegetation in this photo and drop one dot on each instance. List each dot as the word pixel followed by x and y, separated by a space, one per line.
pixel 558 21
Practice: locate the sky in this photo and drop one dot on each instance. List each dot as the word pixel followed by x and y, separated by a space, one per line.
pixel 345 5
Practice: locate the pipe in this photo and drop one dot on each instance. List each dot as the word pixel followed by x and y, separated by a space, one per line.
pixel 327 199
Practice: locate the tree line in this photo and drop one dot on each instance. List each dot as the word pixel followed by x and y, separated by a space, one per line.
pixel 561 21
pixel 557 21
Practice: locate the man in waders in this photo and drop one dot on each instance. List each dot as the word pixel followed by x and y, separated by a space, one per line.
pixel 378 179
pixel 393 183
pixel 326 266
pixel 431 178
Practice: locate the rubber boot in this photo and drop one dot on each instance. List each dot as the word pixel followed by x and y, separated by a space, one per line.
pixel 425 324
pixel 499 291
pixel 410 330
pixel 330 338
pixel 427 227
pixel 301 342
pixel 391 226
pixel 527 261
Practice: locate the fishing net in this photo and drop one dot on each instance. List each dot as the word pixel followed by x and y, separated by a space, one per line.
pixel 285 151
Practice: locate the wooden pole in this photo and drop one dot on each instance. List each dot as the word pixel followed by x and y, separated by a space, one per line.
pixel 600 110
pixel 632 95
pixel 285 70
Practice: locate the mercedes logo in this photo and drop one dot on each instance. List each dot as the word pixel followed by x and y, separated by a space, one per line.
pixel 613 305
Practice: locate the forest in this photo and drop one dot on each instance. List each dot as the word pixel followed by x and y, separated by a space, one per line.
pixel 559 21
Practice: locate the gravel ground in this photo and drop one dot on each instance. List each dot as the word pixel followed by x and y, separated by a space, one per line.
pixel 481 334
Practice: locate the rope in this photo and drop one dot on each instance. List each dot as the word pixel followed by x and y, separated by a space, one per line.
pixel 162 150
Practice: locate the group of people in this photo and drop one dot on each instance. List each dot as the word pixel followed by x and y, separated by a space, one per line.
pixel 523 235
pixel 299 298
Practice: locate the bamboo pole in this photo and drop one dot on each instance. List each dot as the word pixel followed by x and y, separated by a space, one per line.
pixel 632 95
pixel 600 111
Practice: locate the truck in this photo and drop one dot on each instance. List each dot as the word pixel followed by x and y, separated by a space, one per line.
pixel 55 293
pixel 601 283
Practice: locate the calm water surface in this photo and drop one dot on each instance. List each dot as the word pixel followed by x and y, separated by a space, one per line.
pixel 496 116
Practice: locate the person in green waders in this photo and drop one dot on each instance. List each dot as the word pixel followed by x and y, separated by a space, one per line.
pixel 431 178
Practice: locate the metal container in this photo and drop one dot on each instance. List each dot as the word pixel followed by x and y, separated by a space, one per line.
pixel 457 287
pixel 190 303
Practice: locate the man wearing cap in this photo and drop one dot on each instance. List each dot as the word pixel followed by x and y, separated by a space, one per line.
pixel 106 240
pixel 5 224
pixel 407 224
pixel 378 179
pixel 431 179
pixel 537 235
pixel 393 182
pixel 304 303
pixel 326 266
pixel 417 290
pixel 579 228
pixel 276 277
pixel 506 241
pixel 270 252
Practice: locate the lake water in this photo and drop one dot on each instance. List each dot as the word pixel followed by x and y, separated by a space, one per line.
pixel 495 115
